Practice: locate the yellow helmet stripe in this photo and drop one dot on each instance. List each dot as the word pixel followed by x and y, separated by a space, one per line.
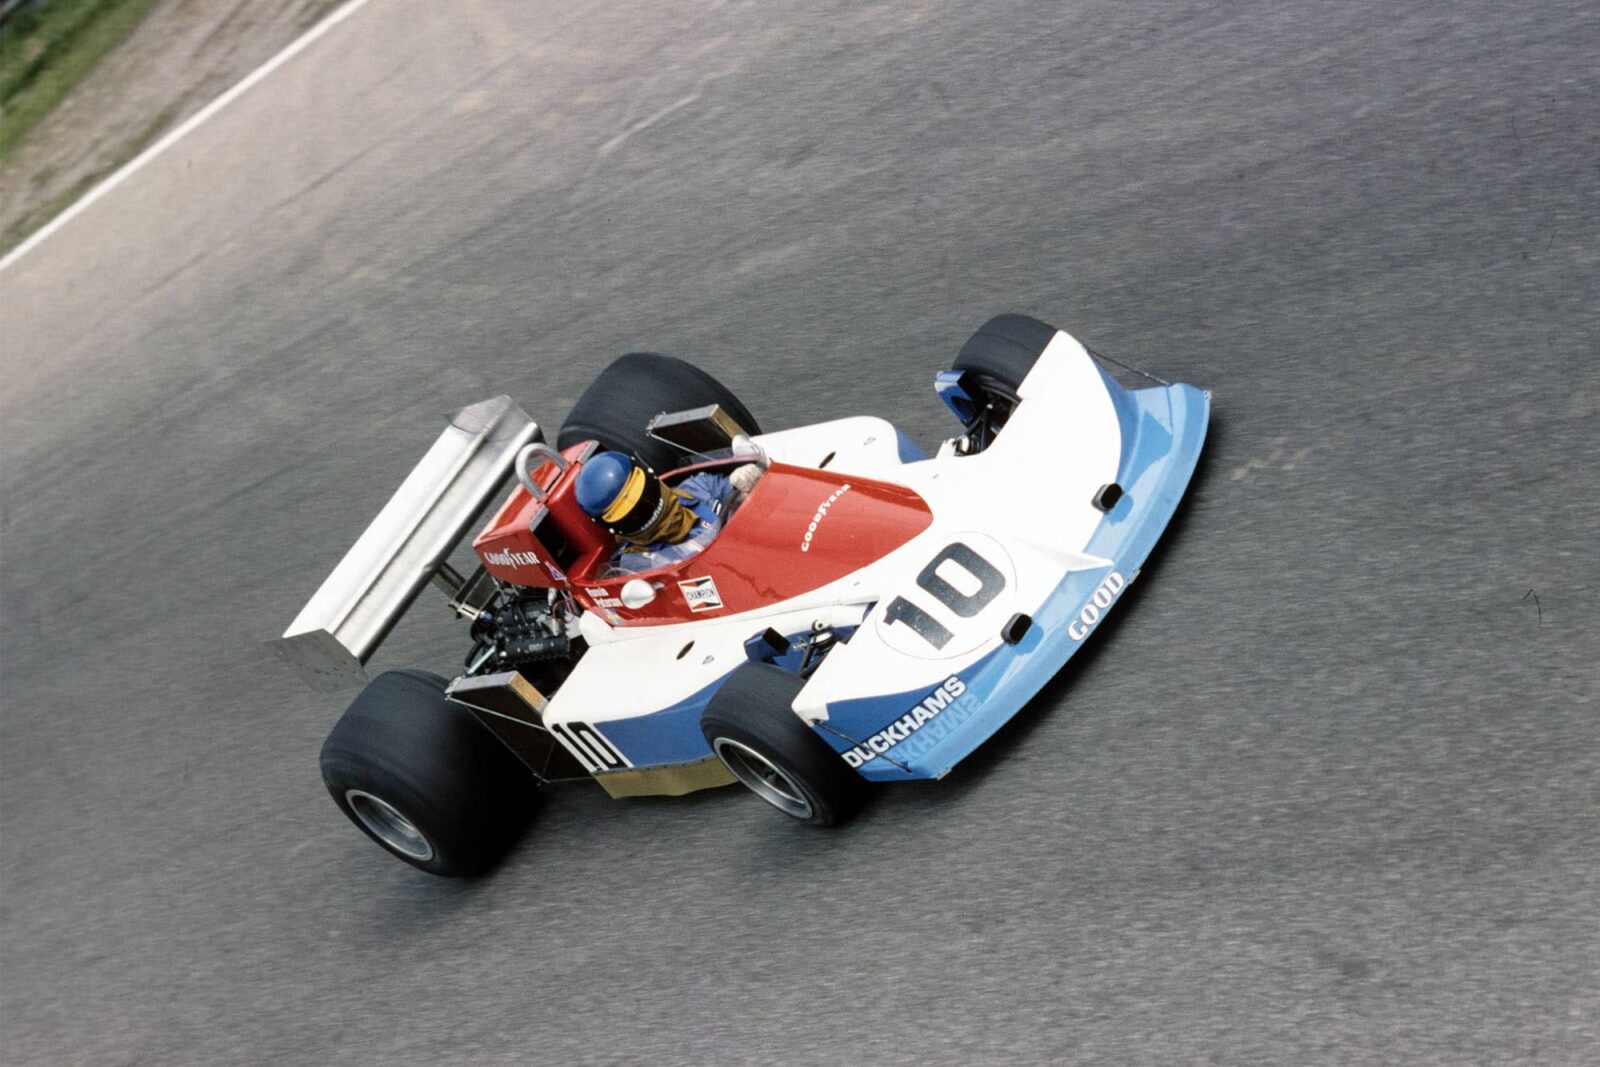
pixel 632 490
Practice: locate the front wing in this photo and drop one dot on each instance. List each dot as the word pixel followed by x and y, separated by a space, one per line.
pixel 922 733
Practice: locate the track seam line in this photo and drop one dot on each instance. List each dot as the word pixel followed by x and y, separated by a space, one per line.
pixel 647 122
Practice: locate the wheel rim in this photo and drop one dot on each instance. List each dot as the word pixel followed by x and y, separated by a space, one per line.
pixel 386 823
pixel 764 778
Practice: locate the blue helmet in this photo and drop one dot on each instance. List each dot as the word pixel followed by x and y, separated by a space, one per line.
pixel 601 480
pixel 630 501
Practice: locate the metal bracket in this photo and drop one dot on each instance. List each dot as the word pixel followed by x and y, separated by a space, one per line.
pixel 469 596
pixel 696 431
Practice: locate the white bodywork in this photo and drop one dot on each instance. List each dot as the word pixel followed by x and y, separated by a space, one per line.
pixel 1016 503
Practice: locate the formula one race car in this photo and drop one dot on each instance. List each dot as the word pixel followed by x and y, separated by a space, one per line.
pixel 671 600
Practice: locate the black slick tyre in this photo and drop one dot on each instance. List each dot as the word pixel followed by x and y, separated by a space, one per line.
pixel 424 779
pixel 1003 350
pixel 750 726
pixel 635 388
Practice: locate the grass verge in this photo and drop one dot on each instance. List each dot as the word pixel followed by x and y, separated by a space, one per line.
pixel 47 49
pixel 40 213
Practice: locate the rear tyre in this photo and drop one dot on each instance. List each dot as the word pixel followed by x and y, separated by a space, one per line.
pixel 421 777
pixel 751 727
pixel 637 387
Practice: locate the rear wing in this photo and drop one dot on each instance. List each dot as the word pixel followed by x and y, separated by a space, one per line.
pixel 407 545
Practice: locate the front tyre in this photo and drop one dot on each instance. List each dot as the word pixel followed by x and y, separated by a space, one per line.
pixel 421 777
pixel 753 730
pixel 993 364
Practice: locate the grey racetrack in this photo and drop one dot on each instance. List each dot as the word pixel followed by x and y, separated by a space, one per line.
pixel 1325 790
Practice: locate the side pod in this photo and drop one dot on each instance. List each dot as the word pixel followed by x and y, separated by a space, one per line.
pixel 406 545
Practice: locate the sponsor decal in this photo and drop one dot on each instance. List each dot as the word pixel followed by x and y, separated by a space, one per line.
pixel 902 728
pixel 508 558
pixel 591 747
pixel 822 513
pixel 1103 598
pixel 555 572
pixel 701 594
pixel 601 600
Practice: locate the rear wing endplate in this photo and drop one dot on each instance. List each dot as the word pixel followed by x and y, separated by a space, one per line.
pixel 408 544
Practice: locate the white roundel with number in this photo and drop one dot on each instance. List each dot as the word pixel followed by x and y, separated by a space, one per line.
pixel 961 597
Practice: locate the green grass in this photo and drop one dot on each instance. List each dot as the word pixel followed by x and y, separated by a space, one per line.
pixel 47 49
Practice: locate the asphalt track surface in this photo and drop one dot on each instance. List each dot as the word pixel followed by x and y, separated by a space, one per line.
pixel 1325 790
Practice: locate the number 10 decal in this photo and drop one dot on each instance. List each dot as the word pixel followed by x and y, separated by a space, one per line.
pixel 989 580
pixel 589 746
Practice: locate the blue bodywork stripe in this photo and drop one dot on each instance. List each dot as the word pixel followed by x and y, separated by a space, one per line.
pixel 671 735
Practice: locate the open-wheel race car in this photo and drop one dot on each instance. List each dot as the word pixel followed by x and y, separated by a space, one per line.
pixel 670 599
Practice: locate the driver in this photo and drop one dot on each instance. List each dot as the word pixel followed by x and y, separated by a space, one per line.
pixel 655 524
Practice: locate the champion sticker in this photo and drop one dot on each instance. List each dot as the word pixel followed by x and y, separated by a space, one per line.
pixel 701 594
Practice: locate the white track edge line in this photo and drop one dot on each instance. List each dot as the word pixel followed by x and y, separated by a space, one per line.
pixel 128 169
